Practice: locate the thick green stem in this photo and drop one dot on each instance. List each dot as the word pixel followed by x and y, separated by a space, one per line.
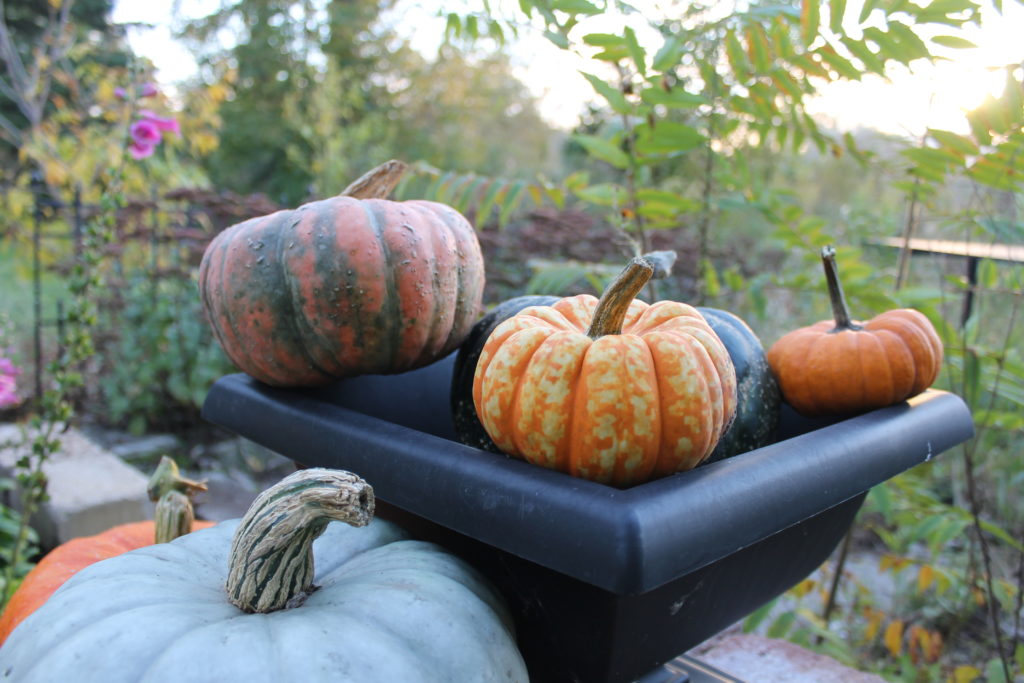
pixel 840 311
pixel 271 562
pixel 377 183
pixel 614 303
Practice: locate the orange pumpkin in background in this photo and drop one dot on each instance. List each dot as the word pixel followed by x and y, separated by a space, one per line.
pixel 616 391
pixel 842 366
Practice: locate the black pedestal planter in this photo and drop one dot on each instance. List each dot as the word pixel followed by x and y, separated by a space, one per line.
pixel 604 584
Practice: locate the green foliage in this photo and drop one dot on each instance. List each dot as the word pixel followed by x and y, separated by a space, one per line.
pixel 485 198
pixel 164 359
pixel 332 94
pixel 13 566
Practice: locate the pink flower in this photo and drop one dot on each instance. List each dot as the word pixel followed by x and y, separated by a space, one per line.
pixel 166 124
pixel 8 384
pixel 141 151
pixel 145 133
pixel 148 90
pixel 120 93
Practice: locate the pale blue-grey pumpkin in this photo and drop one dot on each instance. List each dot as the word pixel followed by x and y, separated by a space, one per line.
pixel 380 608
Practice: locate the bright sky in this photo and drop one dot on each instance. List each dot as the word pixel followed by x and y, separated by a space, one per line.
pixel 930 96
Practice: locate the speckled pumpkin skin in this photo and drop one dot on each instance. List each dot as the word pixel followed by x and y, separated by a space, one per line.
pixel 468 429
pixel 342 287
pixel 621 409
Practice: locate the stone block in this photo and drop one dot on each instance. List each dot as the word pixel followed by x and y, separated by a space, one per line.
pixel 90 489
pixel 752 657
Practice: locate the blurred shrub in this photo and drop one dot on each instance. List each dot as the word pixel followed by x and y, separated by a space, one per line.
pixel 162 358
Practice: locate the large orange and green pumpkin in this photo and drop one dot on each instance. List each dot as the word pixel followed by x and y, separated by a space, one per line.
pixel 612 390
pixel 843 366
pixel 354 284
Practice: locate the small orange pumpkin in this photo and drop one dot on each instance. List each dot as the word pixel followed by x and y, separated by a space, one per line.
pixel 173 518
pixel 841 366
pixel 616 391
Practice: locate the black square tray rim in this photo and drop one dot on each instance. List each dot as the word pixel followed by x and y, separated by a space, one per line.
pixel 624 541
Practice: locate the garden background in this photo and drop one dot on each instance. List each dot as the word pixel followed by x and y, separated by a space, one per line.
pixel 703 129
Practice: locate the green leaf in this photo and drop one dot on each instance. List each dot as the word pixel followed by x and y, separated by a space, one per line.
pixel 953 141
pixel 472 27
pixel 882 498
pixel 861 51
pixel 603 40
pixel 836 9
pixel 736 56
pixel 490 197
pixel 781 626
pixel 909 41
pixel 955 42
pixel 453 27
pixel 575 7
pixel 510 201
pixel 610 93
pixel 1002 535
pixel 888 46
pixel 669 55
pixel 712 285
pixel 865 11
pixel 613 54
pixel 661 204
pixel 757 616
pixel 938 159
pixel 668 137
pixel 810 18
pixel 604 150
pixel 988 274
pixel 466 196
pixel 606 194
pixel 994 175
pixel 759 49
pixel 676 98
pixel 811 66
pixel 786 83
pixel 842 65
pixel 636 52
pixel 558 39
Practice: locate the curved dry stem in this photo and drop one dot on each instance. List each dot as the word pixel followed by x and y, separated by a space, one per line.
pixel 271 561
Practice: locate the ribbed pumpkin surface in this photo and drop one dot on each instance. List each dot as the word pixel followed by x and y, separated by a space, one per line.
pixel 825 371
pixel 342 287
pixel 619 409
pixel 842 366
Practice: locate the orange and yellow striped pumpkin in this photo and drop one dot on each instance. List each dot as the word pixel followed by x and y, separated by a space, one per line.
pixel 616 391
pixel 345 286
